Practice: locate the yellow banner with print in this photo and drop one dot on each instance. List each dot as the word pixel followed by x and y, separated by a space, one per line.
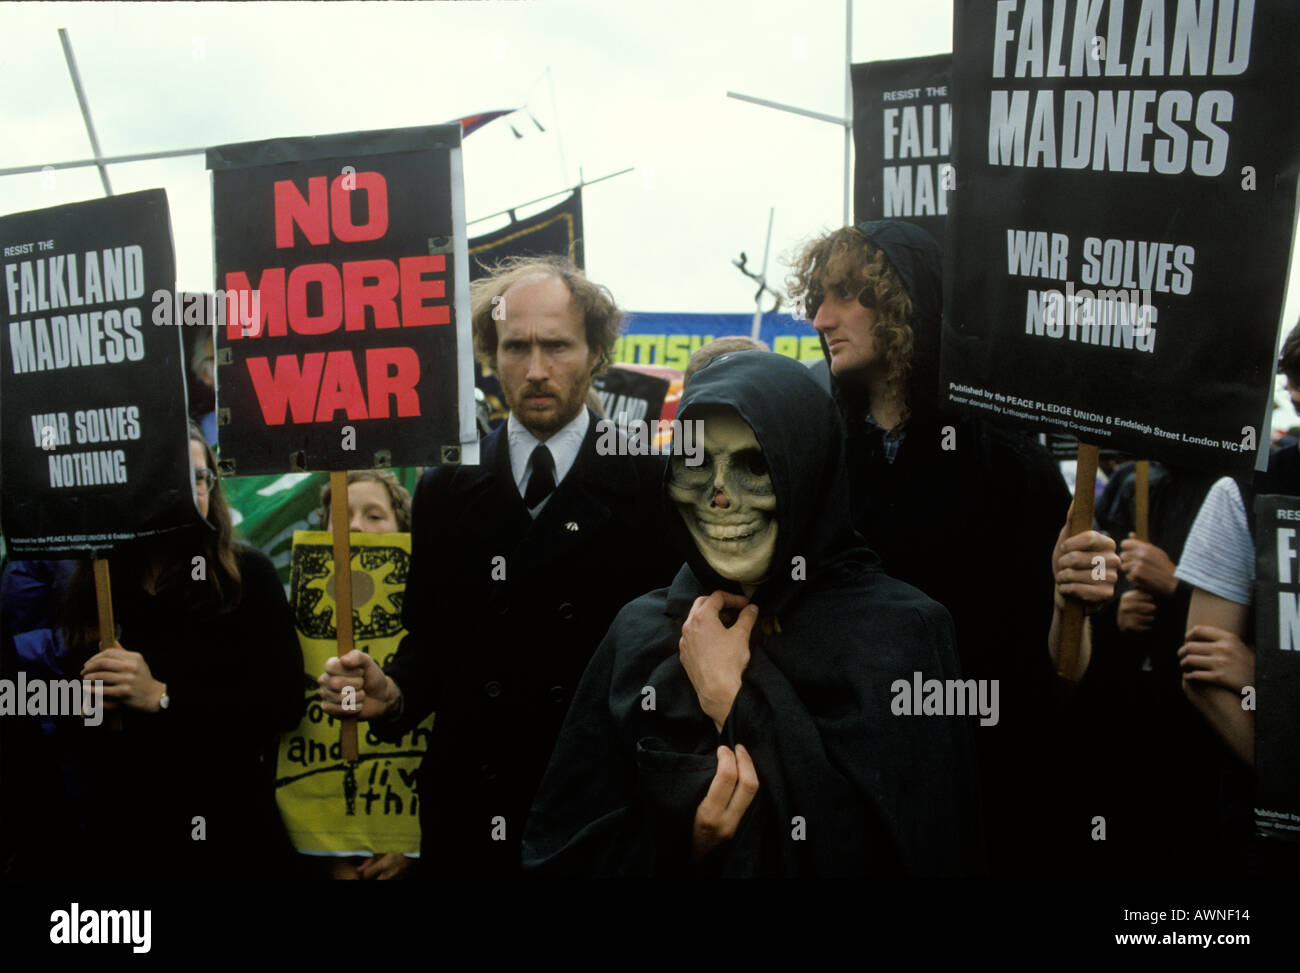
pixel 329 805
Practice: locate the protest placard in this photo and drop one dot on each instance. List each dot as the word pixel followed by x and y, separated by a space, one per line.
pixel 342 266
pixel 94 444
pixel 329 804
pixel 1276 693
pixel 343 269
pixel 630 396
pixel 902 135
pixel 1118 242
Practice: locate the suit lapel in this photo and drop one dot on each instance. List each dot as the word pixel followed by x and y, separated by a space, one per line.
pixel 490 497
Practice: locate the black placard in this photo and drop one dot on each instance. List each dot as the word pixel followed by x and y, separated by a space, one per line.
pixel 1277 666
pixel 350 242
pixel 628 395
pixel 902 129
pixel 95 449
pixel 1118 243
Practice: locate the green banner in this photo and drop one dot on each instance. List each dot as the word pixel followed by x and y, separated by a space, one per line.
pixel 268 509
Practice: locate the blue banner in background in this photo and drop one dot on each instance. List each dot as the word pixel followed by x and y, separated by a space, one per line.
pixel 670 338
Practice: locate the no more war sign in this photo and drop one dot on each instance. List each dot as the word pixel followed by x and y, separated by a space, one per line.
pixel 342 263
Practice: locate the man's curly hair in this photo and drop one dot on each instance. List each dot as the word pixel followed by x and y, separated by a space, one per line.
pixel 847 260
pixel 601 318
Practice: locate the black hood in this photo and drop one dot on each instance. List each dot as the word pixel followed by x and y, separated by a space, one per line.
pixel 917 259
pixel 799 430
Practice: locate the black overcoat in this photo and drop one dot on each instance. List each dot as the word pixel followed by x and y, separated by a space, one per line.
pixel 503 613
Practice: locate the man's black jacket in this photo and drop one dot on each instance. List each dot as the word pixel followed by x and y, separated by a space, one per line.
pixel 502 614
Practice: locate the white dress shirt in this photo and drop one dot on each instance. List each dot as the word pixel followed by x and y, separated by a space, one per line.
pixel 564 446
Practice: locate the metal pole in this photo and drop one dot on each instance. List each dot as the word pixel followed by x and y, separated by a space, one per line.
pixel 559 192
pixel 102 161
pixel 762 279
pixel 559 139
pixel 848 105
pixel 85 109
pixel 821 116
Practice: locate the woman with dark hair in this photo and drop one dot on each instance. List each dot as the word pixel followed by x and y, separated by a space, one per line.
pixel 184 788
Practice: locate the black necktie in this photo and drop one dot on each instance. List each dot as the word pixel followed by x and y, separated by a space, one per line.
pixel 542 482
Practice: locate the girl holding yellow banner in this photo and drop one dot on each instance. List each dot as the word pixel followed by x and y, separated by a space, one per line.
pixel 360 819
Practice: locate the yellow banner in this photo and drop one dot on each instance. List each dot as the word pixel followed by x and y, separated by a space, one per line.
pixel 372 806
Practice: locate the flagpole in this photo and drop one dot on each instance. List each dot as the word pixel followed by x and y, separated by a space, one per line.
pixel 102 160
pixel 762 279
pixel 555 113
pixel 848 105
pixel 85 109
pixel 558 192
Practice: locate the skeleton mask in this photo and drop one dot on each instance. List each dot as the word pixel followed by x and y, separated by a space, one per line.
pixel 728 501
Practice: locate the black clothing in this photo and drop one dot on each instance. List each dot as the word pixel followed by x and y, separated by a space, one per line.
pixel 211 754
pixel 969 512
pixel 35 816
pixel 502 613
pixel 1144 759
pixel 846 788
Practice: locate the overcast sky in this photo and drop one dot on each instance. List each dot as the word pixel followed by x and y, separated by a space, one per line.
pixel 635 84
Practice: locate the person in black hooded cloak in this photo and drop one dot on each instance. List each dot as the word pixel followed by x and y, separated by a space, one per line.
pixel 966 510
pixel 848 782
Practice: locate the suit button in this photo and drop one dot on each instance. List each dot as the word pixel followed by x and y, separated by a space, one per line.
pixel 488 772
pixel 557 694
pixel 565 610
pixel 493 689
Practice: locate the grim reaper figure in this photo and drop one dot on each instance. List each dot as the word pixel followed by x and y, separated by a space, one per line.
pixel 739 722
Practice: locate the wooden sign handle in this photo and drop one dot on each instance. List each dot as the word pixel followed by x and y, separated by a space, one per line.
pixel 1142 520
pixel 1085 491
pixel 107 629
pixel 343 595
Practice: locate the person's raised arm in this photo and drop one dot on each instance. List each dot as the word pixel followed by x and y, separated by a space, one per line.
pixel 1217 665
